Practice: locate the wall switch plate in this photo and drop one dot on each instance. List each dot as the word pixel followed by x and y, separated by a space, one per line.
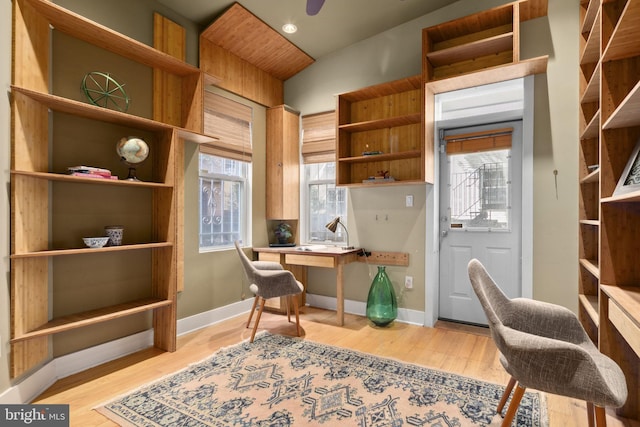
pixel 409 200
pixel 408 282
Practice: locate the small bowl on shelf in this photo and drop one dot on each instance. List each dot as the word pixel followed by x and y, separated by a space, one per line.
pixel 95 242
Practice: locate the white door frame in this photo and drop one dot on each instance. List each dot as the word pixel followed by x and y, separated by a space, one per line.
pixel 432 253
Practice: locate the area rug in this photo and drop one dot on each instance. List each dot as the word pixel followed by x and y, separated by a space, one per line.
pixel 282 381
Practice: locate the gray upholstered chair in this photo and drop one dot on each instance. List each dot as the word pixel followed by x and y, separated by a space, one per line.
pixel 270 280
pixel 543 346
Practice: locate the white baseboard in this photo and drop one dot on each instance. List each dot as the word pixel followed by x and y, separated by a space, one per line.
pixel 33 385
pixel 413 317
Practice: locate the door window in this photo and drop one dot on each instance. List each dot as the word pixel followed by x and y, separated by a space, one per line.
pixel 479 190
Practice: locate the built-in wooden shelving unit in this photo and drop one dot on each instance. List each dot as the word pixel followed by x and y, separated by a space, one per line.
pixel 39 117
pixel 609 128
pixel 380 129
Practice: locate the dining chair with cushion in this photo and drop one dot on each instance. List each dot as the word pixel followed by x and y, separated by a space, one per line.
pixel 543 346
pixel 270 280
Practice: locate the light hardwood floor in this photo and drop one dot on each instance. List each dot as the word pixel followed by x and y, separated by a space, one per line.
pixel 455 348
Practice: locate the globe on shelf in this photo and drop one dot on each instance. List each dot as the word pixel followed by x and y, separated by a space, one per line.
pixel 132 151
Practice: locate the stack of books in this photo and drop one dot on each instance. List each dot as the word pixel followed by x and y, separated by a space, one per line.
pixel 91 172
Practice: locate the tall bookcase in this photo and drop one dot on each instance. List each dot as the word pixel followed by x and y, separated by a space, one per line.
pixel 609 222
pixel 42 194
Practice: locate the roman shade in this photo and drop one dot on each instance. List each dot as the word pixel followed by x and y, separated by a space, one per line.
pixel 319 137
pixel 479 141
pixel 230 122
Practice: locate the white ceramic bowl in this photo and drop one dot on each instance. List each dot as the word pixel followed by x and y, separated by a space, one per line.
pixel 95 242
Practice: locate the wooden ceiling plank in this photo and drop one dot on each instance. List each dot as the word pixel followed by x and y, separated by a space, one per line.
pixel 240 32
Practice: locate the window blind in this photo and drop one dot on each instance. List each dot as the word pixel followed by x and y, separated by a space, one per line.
pixel 230 122
pixel 319 137
pixel 479 141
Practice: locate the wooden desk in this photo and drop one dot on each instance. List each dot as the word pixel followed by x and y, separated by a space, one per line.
pixel 328 257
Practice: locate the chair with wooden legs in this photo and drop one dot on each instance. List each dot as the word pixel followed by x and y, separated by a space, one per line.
pixel 270 280
pixel 543 346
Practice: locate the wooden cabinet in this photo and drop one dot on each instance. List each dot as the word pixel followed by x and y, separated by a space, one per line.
pixel 283 163
pixel 609 223
pixel 380 129
pixel 49 266
pixel 476 42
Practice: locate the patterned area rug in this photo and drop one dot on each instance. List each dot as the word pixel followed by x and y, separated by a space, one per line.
pixel 282 381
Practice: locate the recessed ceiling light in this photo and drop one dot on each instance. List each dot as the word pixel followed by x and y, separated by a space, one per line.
pixel 289 28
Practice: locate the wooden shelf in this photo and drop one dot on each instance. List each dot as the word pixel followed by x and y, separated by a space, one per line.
pixel 490 75
pixel 98 35
pixel 93 317
pixel 81 180
pixel 384 184
pixel 626 115
pixel 591 51
pixel 84 251
pixel 592 91
pixel 591 222
pixel 88 111
pixel 591 266
pixel 469 51
pixel 389 122
pixel 624 40
pixel 592 129
pixel 592 178
pixel 590 305
pixel 633 196
pixel 383 89
pixel 382 157
pixel 590 15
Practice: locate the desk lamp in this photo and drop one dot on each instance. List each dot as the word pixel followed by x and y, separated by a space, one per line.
pixel 333 225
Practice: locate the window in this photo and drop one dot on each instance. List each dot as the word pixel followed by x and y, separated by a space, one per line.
pixel 223 201
pixel 479 179
pixel 479 196
pixel 325 201
pixel 225 173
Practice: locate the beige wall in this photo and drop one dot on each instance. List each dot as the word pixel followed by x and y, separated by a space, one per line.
pixel 555 214
pixel 395 54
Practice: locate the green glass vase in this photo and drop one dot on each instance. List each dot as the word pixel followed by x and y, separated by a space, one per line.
pixel 382 307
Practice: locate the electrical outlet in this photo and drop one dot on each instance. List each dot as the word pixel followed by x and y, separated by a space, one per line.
pixel 408 282
pixel 409 200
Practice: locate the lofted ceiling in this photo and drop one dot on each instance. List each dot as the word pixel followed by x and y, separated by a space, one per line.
pixel 339 23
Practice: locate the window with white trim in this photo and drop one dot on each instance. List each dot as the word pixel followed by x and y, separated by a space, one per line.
pixel 223 201
pixel 323 201
pixel 225 174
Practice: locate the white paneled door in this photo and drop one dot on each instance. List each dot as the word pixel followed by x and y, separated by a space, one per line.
pixel 480 214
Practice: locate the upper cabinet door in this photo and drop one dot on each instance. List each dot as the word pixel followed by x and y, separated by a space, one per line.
pixel 283 163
